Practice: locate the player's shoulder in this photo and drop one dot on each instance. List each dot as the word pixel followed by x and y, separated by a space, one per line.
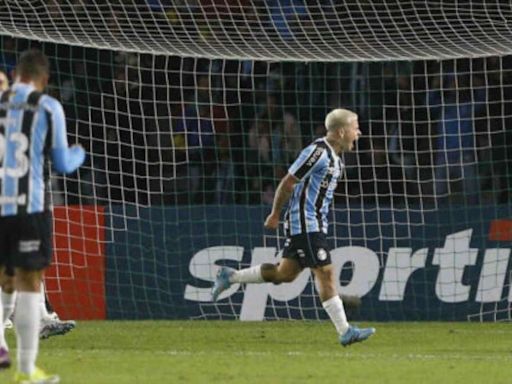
pixel 4 95
pixel 318 147
pixel 50 103
pixel 316 144
pixel 320 143
pixel 314 153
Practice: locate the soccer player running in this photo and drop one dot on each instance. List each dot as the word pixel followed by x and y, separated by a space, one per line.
pixel 32 131
pixel 310 182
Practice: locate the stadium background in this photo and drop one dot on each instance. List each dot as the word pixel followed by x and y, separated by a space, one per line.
pixel 229 126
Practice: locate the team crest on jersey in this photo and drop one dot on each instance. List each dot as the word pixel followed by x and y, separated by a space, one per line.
pixel 321 254
pixel 332 171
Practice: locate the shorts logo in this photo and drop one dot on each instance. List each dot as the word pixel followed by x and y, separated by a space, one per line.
pixel 301 253
pixel 27 246
pixel 321 254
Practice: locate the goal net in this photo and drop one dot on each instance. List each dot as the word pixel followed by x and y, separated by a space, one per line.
pixel 191 114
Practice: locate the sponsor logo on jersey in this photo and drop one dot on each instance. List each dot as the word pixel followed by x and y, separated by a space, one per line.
pixel 313 159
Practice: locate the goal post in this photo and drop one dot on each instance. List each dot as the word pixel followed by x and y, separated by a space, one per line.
pixel 191 114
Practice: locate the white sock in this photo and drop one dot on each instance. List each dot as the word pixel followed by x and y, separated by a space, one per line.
pixel 3 342
pixel 42 302
pixel 27 321
pixel 8 301
pixel 6 310
pixel 247 275
pixel 336 312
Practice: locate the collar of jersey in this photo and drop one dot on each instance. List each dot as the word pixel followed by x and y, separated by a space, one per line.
pixel 331 148
pixel 19 84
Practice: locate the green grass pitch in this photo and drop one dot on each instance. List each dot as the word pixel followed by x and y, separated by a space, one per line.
pixel 276 352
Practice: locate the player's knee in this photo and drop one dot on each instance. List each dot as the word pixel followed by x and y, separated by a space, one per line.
pixel 26 280
pixel 6 281
pixel 7 284
pixel 325 277
pixel 286 276
pixel 278 273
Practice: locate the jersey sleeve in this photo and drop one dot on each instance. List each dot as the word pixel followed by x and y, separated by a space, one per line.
pixel 57 122
pixel 65 159
pixel 307 161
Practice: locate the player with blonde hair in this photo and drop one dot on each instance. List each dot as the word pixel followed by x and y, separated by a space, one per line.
pixel 309 186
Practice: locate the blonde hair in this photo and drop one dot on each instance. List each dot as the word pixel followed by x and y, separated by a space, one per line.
pixel 339 118
pixel 4 85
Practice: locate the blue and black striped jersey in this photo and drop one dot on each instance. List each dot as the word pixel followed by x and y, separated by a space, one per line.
pixel 31 125
pixel 318 168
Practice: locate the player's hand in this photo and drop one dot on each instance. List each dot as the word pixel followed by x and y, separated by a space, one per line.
pixel 272 221
pixel 79 152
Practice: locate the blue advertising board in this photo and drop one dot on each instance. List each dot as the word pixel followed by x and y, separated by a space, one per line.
pixel 438 264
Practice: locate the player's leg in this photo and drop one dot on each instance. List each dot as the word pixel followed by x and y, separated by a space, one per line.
pixel 33 256
pixel 48 307
pixel 330 298
pixel 5 361
pixel 6 288
pixel 48 311
pixel 333 305
pixel 27 319
pixel 51 324
pixel 8 295
pixel 286 271
pixel 316 256
pixel 3 343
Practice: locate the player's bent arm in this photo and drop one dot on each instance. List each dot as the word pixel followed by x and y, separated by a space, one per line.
pixel 67 160
pixel 283 193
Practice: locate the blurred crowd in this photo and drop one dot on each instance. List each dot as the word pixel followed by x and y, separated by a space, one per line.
pixel 172 130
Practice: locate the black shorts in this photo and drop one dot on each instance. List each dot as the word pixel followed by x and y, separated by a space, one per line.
pixel 309 249
pixel 26 242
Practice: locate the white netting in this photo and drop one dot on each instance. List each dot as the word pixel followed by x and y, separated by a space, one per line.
pixel 191 114
pixel 270 30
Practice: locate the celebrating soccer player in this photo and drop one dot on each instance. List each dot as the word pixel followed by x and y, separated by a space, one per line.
pixel 310 182
pixel 32 131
